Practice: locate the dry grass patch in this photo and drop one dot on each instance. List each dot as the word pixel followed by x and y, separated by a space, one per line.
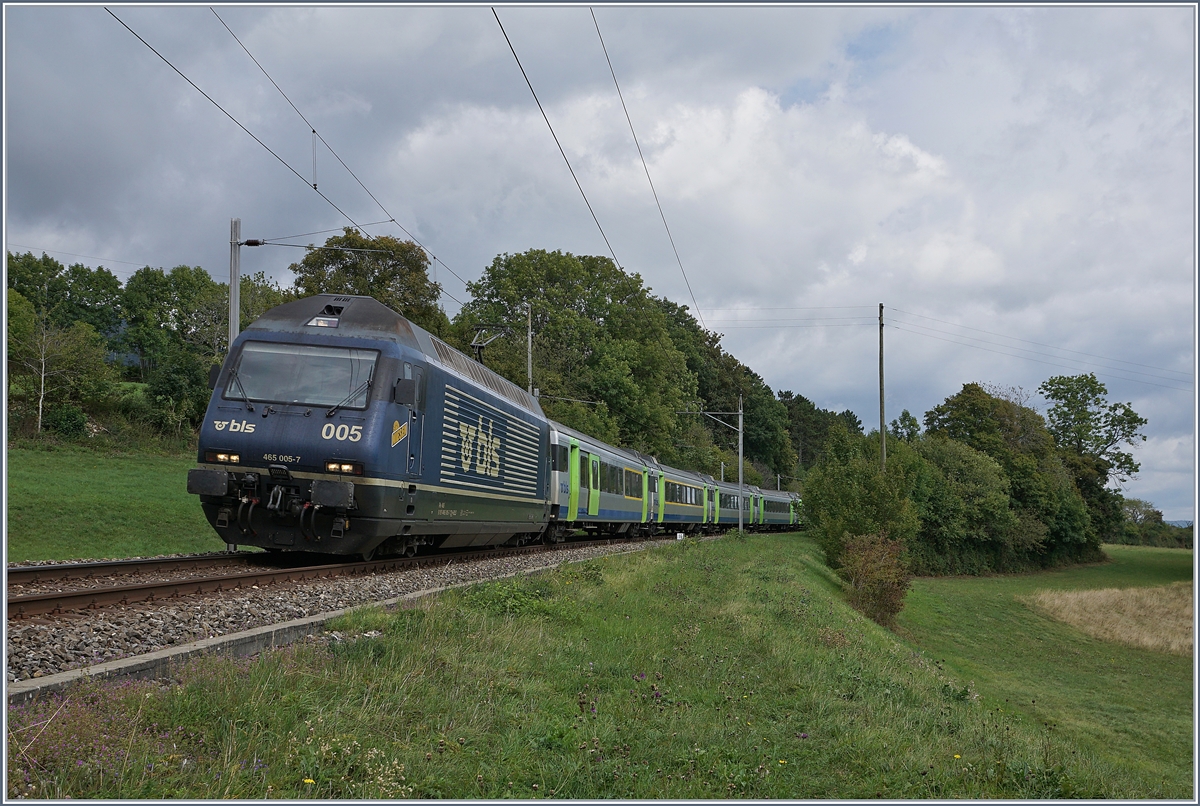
pixel 1158 618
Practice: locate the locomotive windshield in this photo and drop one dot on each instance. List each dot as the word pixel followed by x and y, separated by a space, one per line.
pixel 302 374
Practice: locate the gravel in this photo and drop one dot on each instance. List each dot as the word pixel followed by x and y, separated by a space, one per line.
pixel 47 645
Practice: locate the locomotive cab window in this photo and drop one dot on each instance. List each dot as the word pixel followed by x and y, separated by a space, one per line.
pixel 302 374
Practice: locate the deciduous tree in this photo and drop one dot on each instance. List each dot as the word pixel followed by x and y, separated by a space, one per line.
pixel 1082 420
pixel 392 271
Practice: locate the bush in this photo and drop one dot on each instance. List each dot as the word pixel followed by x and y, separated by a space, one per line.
pixel 874 567
pixel 847 494
pixel 66 421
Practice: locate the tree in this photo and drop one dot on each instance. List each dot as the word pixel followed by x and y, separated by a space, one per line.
pixel 1083 421
pixel 392 271
pixel 847 495
pixel 58 361
pixel 1089 432
pixel 259 295
pixel 38 280
pixel 92 296
pixel 1052 516
pixel 906 427
pixel 598 336
pixel 147 303
pixel 968 524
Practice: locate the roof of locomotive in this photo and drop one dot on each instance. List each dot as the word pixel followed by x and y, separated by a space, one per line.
pixel 367 317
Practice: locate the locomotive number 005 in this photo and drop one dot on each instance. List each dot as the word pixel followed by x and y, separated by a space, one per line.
pixel 342 432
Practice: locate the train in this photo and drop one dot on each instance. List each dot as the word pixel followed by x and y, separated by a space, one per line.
pixel 338 426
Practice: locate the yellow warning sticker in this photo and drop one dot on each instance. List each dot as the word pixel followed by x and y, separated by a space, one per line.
pixel 399 432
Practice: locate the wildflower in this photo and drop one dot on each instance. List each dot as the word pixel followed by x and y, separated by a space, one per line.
pixel 802 735
pixel 782 761
pixel 309 781
pixel 956 755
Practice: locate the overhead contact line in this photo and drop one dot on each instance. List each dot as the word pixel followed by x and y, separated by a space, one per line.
pixel 555 136
pixel 390 218
pixel 235 120
pixel 1037 361
pixel 662 215
pixel 1040 344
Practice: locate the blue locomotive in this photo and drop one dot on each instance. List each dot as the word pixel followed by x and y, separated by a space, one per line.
pixel 338 426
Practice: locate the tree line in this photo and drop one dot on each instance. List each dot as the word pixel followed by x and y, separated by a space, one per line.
pixel 988 484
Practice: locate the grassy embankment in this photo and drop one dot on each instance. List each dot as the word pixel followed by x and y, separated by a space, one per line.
pixel 72 503
pixel 691 670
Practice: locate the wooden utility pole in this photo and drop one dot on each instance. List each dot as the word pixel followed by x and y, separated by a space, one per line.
pixel 741 464
pixel 882 421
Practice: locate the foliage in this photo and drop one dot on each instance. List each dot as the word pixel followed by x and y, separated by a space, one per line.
pixel 52 364
pixel 875 569
pixel 392 271
pixel 66 420
pixel 905 427
pixel 616 362
pixel 599 337
pixel 848 494
pixel 808 426
pixel 1088 431
pixel 179 387
pixel 1143 525
pixel 1052 517
pixel 1082 420
pixel 38 280
pixel 967 523
pixel 721 381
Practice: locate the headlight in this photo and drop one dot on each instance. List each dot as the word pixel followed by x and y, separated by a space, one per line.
pixel 338 466
pixel 223 458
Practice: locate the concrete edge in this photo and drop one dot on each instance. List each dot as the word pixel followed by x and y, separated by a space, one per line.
pixel 248 642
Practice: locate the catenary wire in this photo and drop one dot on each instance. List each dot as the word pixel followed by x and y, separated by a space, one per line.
pixel 555 136
pixel 1048 355
pixel 390 218
pixel 323 231
pixel 235 120
pixel 75 254
pixel 1035 360
pixel 761 327
pixel 661 214
pixel 809 308
pixel 800 319
pixel 1038 343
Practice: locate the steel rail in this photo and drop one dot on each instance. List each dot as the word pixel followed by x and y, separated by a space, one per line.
pixel 58 603
pixel 59 572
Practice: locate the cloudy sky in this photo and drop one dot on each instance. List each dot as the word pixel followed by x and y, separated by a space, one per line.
pixel 1015 185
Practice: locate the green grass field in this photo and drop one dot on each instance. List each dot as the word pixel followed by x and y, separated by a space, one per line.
pixel 722 669
pixel 1128 707
pixel 72 503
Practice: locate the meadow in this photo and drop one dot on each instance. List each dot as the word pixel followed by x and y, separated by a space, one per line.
pixel 1120 704
pixel 697 669
pixel 67 502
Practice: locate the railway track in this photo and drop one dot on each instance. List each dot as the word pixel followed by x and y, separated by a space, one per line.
pixel 101 593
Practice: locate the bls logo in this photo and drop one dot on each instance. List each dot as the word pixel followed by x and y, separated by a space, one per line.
pixel 399 432
pixel 244 426
pixel 479 448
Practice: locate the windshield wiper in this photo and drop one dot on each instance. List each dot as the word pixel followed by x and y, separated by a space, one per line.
pixel 233 374
pixel 333 409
